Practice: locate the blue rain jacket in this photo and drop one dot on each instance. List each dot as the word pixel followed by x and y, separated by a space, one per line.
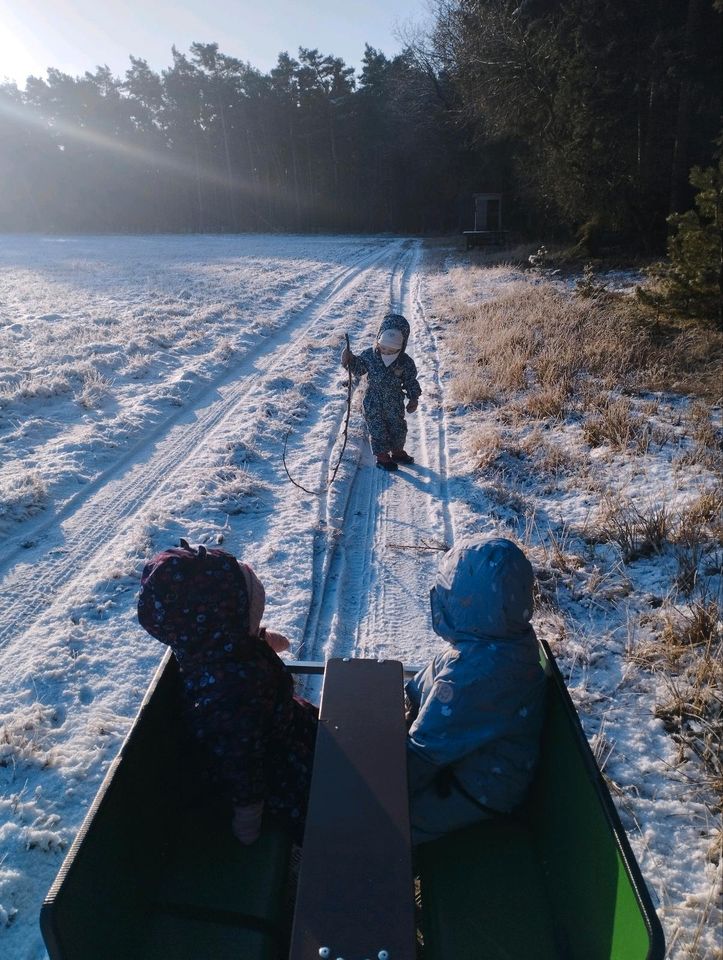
pixel 478 707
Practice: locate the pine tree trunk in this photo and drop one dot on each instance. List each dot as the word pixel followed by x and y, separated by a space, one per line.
pixel 295 171
pixel 229 174
pixel 679 168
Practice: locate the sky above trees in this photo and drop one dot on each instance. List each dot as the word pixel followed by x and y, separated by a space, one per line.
pixel 78 35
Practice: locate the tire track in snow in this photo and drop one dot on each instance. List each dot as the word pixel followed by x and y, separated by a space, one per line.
pixel 372 596
pixel 89 525
pixel 337 515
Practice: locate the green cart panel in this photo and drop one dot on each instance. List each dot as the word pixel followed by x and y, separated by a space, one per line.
pixel 556 882
pixel 155 873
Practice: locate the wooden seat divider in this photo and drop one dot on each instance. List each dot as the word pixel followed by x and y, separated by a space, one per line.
pixel 355 897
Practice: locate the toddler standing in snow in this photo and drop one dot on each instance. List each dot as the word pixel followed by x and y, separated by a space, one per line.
pixel 391 375
pixel 476 711
pixel 257 737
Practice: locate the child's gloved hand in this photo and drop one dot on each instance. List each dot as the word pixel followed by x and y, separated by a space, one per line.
pixel 246 823
pixel 346 356
pixel 277 641
pixel 410 711
pixel 412 406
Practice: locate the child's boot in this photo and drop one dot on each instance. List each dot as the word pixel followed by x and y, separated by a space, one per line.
pixel 385 462
pixel 401 456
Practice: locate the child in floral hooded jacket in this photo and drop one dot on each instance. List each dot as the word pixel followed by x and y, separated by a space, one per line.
pixel 257 737
pixel 476 711
pixel 391 376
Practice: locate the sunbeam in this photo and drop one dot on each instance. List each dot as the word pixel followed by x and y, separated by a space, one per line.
pixel 63 131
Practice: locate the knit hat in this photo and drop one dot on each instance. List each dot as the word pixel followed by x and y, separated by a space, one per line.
pixel 390 343
pixel 391 339
pixel 194 599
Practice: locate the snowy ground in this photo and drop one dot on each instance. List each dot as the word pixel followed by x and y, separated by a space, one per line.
pixel 146 389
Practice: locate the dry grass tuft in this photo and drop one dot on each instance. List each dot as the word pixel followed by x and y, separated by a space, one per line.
pixel 638 533
pixel 93 390
pixel 503 495
pixel 698 527
pixel 472 387
pixel 549 458
pixel 688 657
pixel 544 590
pixel 692 642
pixel 24 736
pixel 699 627
pixel 237 490
pixel 614 424
pixel 559 553
pixel 23 494
pixel 706 511
pixel 548 402
pixel 485 445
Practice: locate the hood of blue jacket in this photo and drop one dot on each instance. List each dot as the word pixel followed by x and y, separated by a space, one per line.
pixel 483 592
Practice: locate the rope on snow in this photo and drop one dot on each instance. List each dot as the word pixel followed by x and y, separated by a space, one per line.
pixel 318 493
pixel 423 545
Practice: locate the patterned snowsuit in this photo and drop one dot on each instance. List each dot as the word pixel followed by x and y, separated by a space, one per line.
pixel 477 709
pixel 386 388
pixel 258 739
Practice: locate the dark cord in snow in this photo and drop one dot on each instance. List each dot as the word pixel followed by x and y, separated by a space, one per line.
pixel 332 478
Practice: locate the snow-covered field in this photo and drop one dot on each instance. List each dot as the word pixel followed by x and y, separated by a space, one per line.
pixel 147 385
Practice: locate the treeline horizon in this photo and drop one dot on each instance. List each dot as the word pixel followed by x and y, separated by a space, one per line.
pixel 213 145
pixel 587 115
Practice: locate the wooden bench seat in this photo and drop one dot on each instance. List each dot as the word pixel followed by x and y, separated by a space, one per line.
pixel 355 896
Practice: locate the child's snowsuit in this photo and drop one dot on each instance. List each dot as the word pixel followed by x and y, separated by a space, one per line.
pixel 477 709
pixel 386 388
pixel 239 697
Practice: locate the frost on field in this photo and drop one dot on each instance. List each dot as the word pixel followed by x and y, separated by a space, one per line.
pixel 23 494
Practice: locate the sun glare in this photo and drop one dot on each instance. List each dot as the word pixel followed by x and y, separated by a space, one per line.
pixel 17 61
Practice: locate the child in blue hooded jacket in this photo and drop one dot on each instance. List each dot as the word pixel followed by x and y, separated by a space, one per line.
pixel 476 710
pixel 391 378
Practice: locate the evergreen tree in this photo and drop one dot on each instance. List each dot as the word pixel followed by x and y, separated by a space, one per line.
pixel 600 102
pixel 691 281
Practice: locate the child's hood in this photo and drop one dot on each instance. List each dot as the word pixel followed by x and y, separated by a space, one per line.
pixel 194 599
pixel 395 321
pixel 483 592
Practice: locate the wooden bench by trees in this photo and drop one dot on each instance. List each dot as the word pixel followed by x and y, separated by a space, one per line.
pixel 484 238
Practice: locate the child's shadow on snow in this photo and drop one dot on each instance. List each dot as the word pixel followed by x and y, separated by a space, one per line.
pixel 423 478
